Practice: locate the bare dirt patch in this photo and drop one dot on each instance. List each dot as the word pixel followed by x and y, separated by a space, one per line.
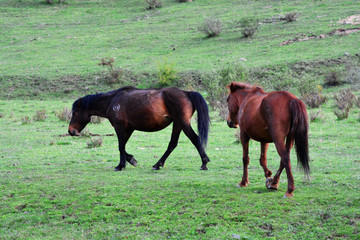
pixel 304 37
pixel 354 19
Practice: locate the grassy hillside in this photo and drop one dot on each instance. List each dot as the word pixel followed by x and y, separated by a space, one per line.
pixel 52 186
pixel 51 42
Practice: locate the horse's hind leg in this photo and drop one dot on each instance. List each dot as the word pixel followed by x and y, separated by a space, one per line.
pixel 263 161
pixel 285 163
pixel 194 138
pixel 130 159
pixel 172 145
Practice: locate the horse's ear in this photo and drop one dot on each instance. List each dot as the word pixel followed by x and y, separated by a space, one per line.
pixel 232 87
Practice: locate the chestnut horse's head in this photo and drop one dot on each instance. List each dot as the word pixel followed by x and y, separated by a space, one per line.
pixel 80 117
pixel 238 92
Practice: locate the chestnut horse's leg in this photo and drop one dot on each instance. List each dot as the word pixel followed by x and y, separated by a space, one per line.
pixel 245 144
pixel 172 145
pixel 194 138
pixel 123 136
pixel 263 162
pixel 284 153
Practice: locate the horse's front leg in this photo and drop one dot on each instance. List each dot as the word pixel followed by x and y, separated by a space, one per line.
pixel 123 136
pixel 245 144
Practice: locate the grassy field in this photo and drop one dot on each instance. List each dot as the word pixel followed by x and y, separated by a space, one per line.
pixel 52 186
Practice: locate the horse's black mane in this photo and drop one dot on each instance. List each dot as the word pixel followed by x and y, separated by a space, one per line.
pixel 88 100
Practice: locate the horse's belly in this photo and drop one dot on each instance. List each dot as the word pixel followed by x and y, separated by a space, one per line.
pixel 261 134
pixel 153 125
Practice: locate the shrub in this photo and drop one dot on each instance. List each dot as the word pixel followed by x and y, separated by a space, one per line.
pixel 332 78
pixel 40 115
pixel 215 85
pixel 167 73
pixel 153 4
pixel 26 120
pixel 315 116
pixel 211 27
pixel 291 17
pixel 64 115
pixel 249 26
pixel 314 100
pixel 343 102
pixel 353 75
pixel 114 73
pixel 94 142
pixel 96 119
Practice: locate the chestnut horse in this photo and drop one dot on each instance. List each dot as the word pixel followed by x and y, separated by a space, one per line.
pixel 148 110
pixel 277 117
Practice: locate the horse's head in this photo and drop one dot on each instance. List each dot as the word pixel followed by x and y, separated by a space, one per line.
pixel 238 92
pixel 80 118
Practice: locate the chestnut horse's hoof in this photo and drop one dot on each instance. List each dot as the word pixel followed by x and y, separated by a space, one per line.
pixel 269 184
pixel 288 195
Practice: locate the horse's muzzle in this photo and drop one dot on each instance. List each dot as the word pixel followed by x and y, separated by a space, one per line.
pixel 73 132
pixel 231 124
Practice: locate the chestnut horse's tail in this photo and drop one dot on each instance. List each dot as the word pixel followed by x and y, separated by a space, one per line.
pixel 299 131
pixel 203 118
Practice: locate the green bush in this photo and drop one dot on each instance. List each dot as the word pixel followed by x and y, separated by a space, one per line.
pixel 94 142
pixel 343 103
pixel 153 4
pixel 211 27
pixel 167 73
pixel 249 26
pixel 40 115
pixel 114 73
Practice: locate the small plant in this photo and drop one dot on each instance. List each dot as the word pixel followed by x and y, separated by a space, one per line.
pixel 249 26
pixel 40 115
pixel 64 115
pixel 2 115
pixel 153 4
pixel 26 120
pixel 291 17
pixel 314 100
pixel 211 27
pixel 85 133
pixel 332 78
pixel 343 102
pixel 315 116
pixel 115 73
pixel 94 142
pixel 167 73
pixel 96 119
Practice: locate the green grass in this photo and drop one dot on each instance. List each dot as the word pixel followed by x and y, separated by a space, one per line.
pixel 53 186
pixel 66 39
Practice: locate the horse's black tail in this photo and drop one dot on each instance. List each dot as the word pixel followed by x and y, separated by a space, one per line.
pixel 203 118
pixel 299 131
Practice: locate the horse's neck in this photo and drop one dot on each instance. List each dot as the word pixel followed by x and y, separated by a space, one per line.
pixel 100 106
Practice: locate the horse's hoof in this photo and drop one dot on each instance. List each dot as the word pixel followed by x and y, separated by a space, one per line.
pixel 155 168
pixel 243 185
pixel 288 195
pixel 204 168
pixel 118 169
pixel 269 184
pixel 133 162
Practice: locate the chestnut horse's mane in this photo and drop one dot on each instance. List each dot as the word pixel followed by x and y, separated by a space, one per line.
pixel 239 85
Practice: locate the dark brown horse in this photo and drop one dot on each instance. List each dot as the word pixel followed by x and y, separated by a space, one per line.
pixel 148 110
pixel 277 117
